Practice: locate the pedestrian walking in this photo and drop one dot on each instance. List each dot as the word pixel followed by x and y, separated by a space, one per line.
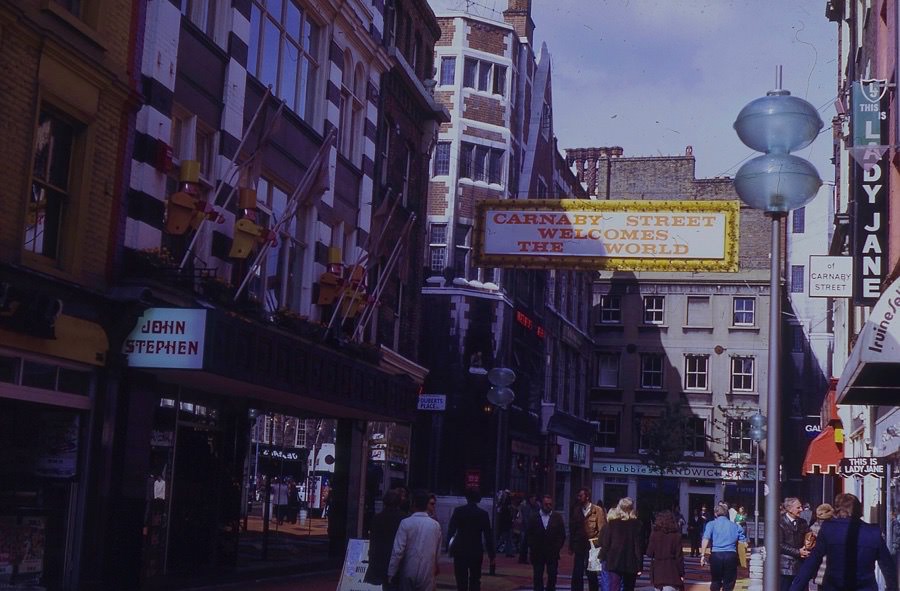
pixel 529 508
pixel 793 529
pixel 852 547
pixel 417 546
pixel 505 518
pixel 546 536
pixel 620 546
pixel 696 524
pixel 381 539
pixel 824 512
pixel 585 524
pixel 666 553
pixel 469 534
pixel 722 536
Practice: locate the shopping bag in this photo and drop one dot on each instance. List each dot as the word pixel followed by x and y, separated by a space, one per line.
pixel 593 564
pixel 742 554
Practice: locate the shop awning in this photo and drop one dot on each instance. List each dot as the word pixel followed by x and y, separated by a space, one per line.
pixel 872 373
pixel 823 454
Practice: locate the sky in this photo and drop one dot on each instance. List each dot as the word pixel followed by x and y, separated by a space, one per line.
pixel 654 76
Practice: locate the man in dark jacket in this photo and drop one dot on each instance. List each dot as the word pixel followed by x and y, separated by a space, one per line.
pixel 792 529
pixel 584 525
pixel 470 532
pixel 852 547
pixel 381 539
pixel 546 537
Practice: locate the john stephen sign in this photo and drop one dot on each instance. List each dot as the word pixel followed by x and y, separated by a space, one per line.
pixel 621 235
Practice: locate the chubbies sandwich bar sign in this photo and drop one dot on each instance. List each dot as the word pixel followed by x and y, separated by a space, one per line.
pixel 616 235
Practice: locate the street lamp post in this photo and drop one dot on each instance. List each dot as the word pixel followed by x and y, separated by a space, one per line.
pixel 776 183
pixel 501 396
pixel 757 434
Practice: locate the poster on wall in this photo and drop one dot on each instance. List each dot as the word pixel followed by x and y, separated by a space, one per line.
pixel 356 561
pixel 56 454
pixel 22 543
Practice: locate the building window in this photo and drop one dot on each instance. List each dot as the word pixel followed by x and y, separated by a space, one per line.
pixel 484 76
pixel 608 431
pixel 699 312
pixel 461 239
pixel 739 441
pixel 480 163
pixel 49 199
pixel 645 425
pixel 438 247
pixel 742 374
pixel 694 436
pixel 442 159
pixel 202 13
pixel 284 52
pixel 448 70
pixel 696 372
pixel 610 309
pixel 798 221
pixel 652 371
pixel 797 273
pixel 654 307
pixel 351 108
pixel 744 311
pixel 798 339
pixel 608 370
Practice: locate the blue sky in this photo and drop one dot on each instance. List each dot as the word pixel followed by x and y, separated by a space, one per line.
pixel 654 76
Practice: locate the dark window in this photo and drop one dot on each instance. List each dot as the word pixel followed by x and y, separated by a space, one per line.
pixel 608 370
pixel 610 309
pixel 484 76
pixel 49 197
pixel 470 72
pixel 608 431
pixel 744 311
pixel 739 436
pixel 481 163
pixel 695 436
pixel 442 159
pixel 652 371
pixel 448 70
pixel 797 273
pixel 798 221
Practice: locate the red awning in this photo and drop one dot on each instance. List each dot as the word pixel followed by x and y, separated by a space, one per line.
pixel 823 454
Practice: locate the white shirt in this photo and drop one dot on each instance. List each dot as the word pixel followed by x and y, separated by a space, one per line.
pixel 545 519
pixel 586 509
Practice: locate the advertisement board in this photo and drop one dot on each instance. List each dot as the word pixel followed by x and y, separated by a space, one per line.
pixel 623 235
pixel 167 337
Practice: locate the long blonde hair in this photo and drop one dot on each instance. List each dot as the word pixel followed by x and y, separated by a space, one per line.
pixel 624 510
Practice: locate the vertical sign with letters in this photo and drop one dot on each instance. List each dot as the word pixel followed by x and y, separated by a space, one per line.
pixel 871 169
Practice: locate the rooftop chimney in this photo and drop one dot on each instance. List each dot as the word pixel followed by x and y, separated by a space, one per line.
pixel 518 14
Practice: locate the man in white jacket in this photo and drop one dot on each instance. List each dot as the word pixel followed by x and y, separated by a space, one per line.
pixel 414 559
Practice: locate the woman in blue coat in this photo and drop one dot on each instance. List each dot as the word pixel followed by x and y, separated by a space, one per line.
pixel 852 548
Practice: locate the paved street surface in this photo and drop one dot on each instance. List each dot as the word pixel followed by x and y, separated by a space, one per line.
pixel 511 576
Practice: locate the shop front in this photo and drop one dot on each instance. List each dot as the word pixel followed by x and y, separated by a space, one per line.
pixel 571 440
pixel 245 448
pixel 51 366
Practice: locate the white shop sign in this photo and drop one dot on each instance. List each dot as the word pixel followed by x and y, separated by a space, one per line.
pixel 830 277
pixel 717 472
pixel 167 338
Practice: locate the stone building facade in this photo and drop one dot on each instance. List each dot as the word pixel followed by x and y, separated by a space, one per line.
pixel 679 346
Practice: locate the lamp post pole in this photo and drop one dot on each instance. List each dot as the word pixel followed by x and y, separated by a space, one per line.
pixel 501 396
pixel 757 434
pixel 776 183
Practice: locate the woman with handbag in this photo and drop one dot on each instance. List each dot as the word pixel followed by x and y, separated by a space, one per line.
pixel 667 554
pixel 620 546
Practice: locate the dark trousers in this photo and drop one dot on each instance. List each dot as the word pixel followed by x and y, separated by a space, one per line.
pixel 468 573
pixel 624 581
pixel 723 570
pixel 523 548
pixel 538 567
pixel 786 581
pixel 579 567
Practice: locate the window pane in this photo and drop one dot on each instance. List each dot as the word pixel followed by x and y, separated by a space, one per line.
pixel 288 86
pixel 797 273
pixel 744 311
pixel 253 47
pixel 442 159
pixel 438 233
pixel 438 258
pixel 484 75
pixel 448 70
pixel 292 21
pixel 496 166
pixel 9 369
pixel 499 79
pixel 268 71
pixel 479 172
pixel 608 371
pixel 39 375
pixel 469 73
pixel 74 382
pixel 798 221
pixel 466 155
pixel 653 309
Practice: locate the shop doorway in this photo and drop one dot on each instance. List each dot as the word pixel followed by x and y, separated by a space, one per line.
pixel 697 501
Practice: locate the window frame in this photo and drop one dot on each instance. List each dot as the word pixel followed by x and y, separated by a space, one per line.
pixel 738 435
pixel 484 76
pixel 697 373
pixel 743 375
pixel 306 46
pixel 695 439
pixel 798 221
pixel 481 163
pixel 647 381
pixel 437 249
pixel 735 312
pixel 448 70
pixel 608 431
pixel 610 309
pixel 606 369
pixel 798 278
pixel 654 310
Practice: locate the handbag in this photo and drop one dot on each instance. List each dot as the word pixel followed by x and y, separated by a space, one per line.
pixel 594 565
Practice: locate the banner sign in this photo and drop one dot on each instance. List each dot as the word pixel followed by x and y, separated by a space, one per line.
pixel 624 235
pixel 870 189
pixel 432 402
pixel 863 467
pixel 167 337
pixel 715 472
